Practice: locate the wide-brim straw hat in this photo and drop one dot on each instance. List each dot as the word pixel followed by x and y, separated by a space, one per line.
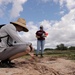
pixel 21 22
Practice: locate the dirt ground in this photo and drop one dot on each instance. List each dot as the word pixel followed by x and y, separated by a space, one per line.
pixel 44 66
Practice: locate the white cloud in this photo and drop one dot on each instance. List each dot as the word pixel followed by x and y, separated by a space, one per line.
pixel 62 31
pixel 61 12
pixel 4 2
pixel 70 4
pixel 46 24
pixel 15 9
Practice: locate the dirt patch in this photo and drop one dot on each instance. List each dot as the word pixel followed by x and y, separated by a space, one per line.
pixel 45 66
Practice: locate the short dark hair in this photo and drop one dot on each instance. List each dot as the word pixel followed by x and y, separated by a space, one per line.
pixel 41 27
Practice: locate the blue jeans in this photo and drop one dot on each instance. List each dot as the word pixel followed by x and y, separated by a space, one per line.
pixel 40 44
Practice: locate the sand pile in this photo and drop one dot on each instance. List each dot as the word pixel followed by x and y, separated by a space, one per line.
pixel 45 66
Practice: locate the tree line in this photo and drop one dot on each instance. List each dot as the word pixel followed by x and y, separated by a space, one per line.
pixel 61 47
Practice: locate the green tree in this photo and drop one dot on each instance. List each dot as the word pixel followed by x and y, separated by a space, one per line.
pixel 61 47
pixel 71 48
pixel 48 49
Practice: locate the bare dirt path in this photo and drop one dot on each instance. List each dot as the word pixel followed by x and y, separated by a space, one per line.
pixel 45 66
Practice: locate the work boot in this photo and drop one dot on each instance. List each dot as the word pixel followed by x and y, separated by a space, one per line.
pixel 41 55
pixel 6 64
pixel 36 55
pixel 12 63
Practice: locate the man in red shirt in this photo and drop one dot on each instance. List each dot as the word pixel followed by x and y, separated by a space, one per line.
pixel 40 35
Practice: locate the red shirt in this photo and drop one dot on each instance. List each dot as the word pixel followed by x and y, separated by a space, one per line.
pixel 40 33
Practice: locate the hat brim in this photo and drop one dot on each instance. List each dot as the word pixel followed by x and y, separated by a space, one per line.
pixel 25 29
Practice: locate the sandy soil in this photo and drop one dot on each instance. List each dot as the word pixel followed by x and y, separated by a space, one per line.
pixel 44 66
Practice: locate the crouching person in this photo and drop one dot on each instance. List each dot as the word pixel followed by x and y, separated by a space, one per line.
pixel 9 50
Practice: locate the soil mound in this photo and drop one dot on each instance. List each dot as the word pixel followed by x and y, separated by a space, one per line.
pixel 45 66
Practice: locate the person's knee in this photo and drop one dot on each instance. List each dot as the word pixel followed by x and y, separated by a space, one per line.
pixel 27 49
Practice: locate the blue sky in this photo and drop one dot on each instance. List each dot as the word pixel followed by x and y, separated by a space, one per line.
pixel 57 17
pixel 34 10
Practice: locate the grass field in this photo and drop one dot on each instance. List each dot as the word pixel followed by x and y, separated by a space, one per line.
pixel 69 54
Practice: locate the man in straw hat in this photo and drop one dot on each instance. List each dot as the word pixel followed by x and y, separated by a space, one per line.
pixel 10 51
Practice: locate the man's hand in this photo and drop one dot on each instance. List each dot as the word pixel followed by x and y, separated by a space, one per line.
pixel 37 36
pixel 32 55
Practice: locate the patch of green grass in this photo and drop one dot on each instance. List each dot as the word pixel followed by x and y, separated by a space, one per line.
pixel 70 54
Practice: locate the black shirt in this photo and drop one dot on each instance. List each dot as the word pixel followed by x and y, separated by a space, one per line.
pixel 40 33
